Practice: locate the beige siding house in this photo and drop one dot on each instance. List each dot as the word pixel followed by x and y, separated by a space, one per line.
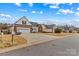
pixel 45 29
pixel 22 26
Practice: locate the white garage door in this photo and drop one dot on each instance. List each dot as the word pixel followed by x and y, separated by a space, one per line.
pixel 24 30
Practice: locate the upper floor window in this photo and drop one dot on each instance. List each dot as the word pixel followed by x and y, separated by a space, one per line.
pixel 23 22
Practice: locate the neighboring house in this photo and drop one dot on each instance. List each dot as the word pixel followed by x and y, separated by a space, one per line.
pixel 47 28
pixel 50 28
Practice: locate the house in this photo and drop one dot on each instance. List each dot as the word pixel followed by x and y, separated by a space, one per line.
pixel 50 28
pixel 46 28
pixel 22 26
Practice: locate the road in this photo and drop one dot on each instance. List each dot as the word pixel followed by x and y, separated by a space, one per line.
pixel 68 46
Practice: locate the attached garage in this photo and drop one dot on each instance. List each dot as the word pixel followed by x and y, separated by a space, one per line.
pixel 24 30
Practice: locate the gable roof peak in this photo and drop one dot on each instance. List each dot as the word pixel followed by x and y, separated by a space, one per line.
pixel 21 19
pixel 24 17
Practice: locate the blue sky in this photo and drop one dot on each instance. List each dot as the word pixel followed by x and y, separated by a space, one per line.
pixel 49 13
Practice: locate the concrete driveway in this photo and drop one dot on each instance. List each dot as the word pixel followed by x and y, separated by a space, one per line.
pixel 36 38
pixel 65 46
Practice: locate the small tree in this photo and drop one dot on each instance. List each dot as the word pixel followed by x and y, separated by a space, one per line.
pixel 58 30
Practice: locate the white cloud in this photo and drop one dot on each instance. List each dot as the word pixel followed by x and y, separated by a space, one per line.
pixel 70 3
pixel 66 11
pixel 45 4
pixel 30 4
pixel 33 11
pixel 5 15
pixel 22 10
pixel 53 6
pixel 57 13
pixel 78 8
pixel 18 4
pixel 77 14
pixel 76 20
pixel 7 18
pixel 41 12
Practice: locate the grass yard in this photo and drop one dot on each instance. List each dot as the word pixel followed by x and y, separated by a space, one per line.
pixel 6 40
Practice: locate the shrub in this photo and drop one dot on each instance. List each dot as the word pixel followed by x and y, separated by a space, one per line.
pixel 70 31
pixel 58 30
pixel 7 32
pixel 77 31
pixel 18 33
pixel 64 31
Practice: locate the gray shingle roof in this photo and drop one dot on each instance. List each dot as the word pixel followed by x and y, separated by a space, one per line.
pixel 33 23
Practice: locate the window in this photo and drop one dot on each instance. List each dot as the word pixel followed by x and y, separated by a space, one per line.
pixel 23 22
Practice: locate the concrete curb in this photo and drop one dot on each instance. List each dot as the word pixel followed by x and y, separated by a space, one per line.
pixel 66 36
pixel 12 48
